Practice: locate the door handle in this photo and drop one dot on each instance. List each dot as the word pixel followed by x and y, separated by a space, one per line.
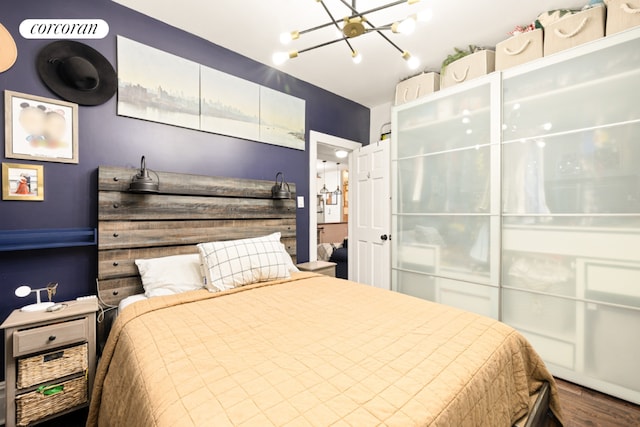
pixel 384 237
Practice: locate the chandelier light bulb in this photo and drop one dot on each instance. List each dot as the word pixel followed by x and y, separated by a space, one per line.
pixel 412 61
pixel 356 57
pixel 280 58
pixel 406 27
pixel 286 38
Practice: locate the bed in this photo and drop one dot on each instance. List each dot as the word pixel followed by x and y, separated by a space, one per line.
pixel 302 350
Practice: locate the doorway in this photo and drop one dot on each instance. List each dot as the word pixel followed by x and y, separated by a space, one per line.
pixel 324 147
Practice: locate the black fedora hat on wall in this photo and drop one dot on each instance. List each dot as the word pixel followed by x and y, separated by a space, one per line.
pixel 77 72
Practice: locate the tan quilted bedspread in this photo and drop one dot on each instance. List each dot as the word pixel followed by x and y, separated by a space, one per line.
pixel 314 351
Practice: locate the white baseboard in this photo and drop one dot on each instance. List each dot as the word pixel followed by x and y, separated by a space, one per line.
pixel 3 406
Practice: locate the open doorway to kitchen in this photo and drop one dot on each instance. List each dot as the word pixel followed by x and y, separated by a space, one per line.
pixel 328 210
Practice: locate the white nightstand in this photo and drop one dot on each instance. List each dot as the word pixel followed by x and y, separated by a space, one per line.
pixel 50 361
pixel 320 267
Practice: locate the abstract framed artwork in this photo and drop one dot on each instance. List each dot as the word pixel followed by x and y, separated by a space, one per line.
pixel 22 182
pixel 38 128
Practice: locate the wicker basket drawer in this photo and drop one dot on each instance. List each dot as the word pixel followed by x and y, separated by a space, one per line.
pixel 49 337
pixel 519 49
pixel 36 405
pixel 56 364
pixel 469 67
pixel 574 30
pixel 417 87
pixel 622 14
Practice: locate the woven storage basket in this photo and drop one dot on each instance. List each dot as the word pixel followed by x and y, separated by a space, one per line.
pixel 34 405
pixel 417 87
pixel 519 49
pixel 469 67
pixel 573 30
pixel 622 14
pixel 56 364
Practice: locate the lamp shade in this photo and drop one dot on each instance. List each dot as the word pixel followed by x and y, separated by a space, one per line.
pixel 278 190
pixel 142 181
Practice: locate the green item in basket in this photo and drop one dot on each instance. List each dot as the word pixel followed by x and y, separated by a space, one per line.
pixel 459 53
pixel 49 390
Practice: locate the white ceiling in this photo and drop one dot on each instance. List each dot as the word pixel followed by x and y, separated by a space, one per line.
pixel 252 28
pixel 328 152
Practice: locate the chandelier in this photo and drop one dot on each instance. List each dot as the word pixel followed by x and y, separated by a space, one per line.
pixel 356 25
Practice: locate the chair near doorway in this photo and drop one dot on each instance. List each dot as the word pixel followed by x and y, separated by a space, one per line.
pixel 341 257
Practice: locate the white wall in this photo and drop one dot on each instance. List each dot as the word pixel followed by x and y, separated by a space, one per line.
pixel 380 115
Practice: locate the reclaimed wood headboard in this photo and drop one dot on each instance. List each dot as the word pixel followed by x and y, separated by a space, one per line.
pixel 189 209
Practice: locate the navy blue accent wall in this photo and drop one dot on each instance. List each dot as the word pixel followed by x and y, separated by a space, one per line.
pixel 108 139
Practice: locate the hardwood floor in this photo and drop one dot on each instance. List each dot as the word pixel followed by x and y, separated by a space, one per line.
pixel 583 407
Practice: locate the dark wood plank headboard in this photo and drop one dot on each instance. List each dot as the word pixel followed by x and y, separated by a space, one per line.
pixel 189 209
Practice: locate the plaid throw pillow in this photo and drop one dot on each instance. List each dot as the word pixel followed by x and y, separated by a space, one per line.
pixel 241 262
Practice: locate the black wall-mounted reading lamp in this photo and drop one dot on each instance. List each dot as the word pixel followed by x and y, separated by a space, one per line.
pixel 142 182
pixel 278 191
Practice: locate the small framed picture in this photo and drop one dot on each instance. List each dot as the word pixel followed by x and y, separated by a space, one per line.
pixel 38 128
pixel 22 182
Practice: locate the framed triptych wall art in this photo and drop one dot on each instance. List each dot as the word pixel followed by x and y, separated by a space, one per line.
pixel 161 87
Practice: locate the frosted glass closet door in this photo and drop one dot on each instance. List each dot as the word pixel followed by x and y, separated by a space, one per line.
pixel 571 213
pixel 444 237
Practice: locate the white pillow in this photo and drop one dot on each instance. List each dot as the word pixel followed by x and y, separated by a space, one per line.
pixel 290 265
pixel 170 275
pixel 241 262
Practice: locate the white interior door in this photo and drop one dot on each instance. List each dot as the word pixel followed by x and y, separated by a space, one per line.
pixel 369 245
